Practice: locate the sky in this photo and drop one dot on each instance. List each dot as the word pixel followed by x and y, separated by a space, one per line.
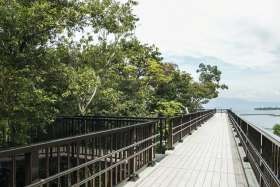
pixel 242 37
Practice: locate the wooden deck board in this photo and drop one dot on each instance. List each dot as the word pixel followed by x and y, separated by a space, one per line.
pixel 208 157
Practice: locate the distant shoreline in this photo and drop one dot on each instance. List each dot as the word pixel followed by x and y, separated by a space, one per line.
pixel 267 108
pixel 276 115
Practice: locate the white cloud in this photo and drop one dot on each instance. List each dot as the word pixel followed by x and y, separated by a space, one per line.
pixel 236 31
pixel 244 34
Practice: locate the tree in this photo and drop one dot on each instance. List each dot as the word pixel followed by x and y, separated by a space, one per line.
pixel 210 74
pixel 209 84
pixel 169 108
pixel 83 86
pixel 38 66
pixel 82 57
pixel 276 129
pixel 129 81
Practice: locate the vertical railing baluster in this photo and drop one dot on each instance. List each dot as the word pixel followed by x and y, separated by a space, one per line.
pixel 170 133
pixel 151 132
pixel 181 133
pixel 190 124
pixel 47 167
pixel 162 149
pixel 14 171
pixel 133 176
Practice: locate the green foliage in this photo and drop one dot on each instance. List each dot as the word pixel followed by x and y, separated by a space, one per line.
pixel 276 129
pixel 82 57
pixel 45 71
pixel 83 85
pixel 211 74
pixel 209 85
pixel 169 108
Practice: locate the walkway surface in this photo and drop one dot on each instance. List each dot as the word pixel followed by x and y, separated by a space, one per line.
pixel 209 157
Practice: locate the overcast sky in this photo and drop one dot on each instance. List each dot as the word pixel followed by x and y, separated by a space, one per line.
pixel 241 36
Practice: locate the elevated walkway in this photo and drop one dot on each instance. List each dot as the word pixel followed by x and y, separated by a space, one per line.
pixel 207 148
pixel 209 157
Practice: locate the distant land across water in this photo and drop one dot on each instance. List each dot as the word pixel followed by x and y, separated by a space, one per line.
pixel 267 108
pixel 265 119
pixel 264 114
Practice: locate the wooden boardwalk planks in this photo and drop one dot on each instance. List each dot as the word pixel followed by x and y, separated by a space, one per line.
pixel 209 157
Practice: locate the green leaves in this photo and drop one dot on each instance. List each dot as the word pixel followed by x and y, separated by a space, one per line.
pixel 169 108
pixel 276 129
pixel 83 86
pixel 82 57
pixel 210 85
pixel 45 71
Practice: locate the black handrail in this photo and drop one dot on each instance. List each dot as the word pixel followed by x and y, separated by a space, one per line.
pixel 63 127
pixel 69 161
pixel 104 155
pixel 180 126
pixel 262 150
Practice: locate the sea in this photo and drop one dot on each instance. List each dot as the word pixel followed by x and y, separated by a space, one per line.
pixel 263 121
pixel 241 106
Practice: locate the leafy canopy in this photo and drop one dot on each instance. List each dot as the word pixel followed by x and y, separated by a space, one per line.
pixel 82 57
pixel 276 129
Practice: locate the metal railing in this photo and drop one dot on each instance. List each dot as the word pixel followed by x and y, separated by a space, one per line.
pixel 94 150
pixel 62 127
pixel 102 158
pixel 180 126
pixel 104 151
pixel 172 130
pixel 262 150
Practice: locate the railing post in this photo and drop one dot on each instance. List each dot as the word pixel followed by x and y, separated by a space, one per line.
pixel 190 124
pixel 13 171
pixel 162 149
pixel 31 166
pixel 170 134
pixel 240 143
pixel 195 121
pixel 181 132
pixel 238 125
pixel 133 176
pixel 261 153
pixel 246 142
pixel 201 119
pixel 151 161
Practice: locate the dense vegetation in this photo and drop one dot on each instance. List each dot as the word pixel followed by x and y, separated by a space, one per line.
pixel 69 57
pixel 276 129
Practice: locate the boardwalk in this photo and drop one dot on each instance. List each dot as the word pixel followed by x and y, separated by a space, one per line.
pixel 209 157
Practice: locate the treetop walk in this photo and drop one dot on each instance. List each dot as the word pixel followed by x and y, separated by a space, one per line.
pixel 106 151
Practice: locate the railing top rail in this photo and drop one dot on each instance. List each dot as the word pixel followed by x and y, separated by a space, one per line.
pixel 129 117
pixel 76 168
pixel 275 139
pixel 67 140
pixel 103 117
pixel 208 110
pixel 261 155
